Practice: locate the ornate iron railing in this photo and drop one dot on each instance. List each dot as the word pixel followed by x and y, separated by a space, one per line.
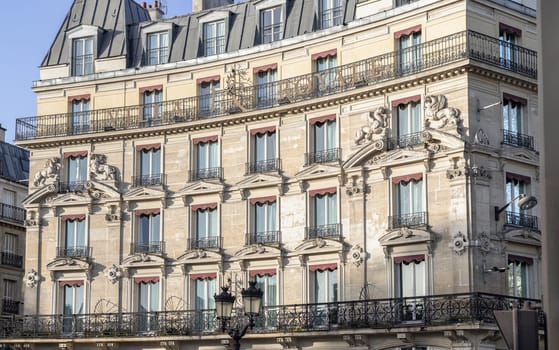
pixel 73 252
pixel 205 243
pixel 521 220
pixel 405 141
pixel 408 220
pixel 325 231
pixel 265 237
pixel 435 53
pixel 518 140
pixel 10 306
pixel 263 166
pixel 155 247
pixel 433 310
pixel 148 180
pixel 12 213
pixel 331 17
pixel 71 186
pixel 206 173
pixel 11 259
pixel 157 55
pixel 325 156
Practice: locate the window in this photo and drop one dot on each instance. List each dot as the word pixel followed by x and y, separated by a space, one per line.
pixel 516 184
pixel 10 243
pixel 266 86
pixel 409 50
pixel 271 24
pixel 214 38
pixel 74 237
pixel 209 96
pixel 324 214
pixel 77 171
pixel 410 282
pixel 80 115
pixel 264 220
pixel 10 304
pixel 325 76
pixel 324 144
pixel 513 122
pixel 206 227
pixel 204 302
pixel 149 236
pixel 267 282
pixel 207 159
pixel 508 38
pixel 331 13
pixel 518 275
pixel 404 2
pixel 150 166
pixel 325 284
pixel 72 305
pixel 157 48
pixel 8 207
pixel 152 107
pixel 148 291
pixel 409 123
pixel 10 249
pixel 408 201
pixel 82 56
pixel 264 151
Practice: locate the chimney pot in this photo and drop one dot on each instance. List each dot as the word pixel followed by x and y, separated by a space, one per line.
pixel 156 4
pixel 144 4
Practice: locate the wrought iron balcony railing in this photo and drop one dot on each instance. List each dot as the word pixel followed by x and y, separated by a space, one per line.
pixel 73 252
pixel 206 173
pixel 148 180
pixel 265 237
pixel 10 306
pixel 405 141
pixel 12 213
pixel 325 156
pixel 71 186
pixel 408 220
pixel 521 220
pixel 263 166
pixel 518 140
pixel 325 231
pixel 468 310
pixel 435 53
pixel 11 259
pixel 205 243
pixel 153 247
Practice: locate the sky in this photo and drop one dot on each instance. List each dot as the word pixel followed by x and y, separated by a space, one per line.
pixel 29 27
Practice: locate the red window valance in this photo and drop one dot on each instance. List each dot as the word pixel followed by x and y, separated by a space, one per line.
pixel 262 272
pixel 516 99
pixel 72 217
pixel 154 146
pixel 407 31
pixel 325 118
pixel 75 283
pixel 151 211
pixel 517 259
pixel 204 139
pixel 203 276
pixel 323 267
pixel 77 154
pixel 79 98
pixel 268 199
pixel 509 29
pixel 518 177
pixel 407 178
pixel 146 279
pixel 268 129
pixel 207 79
pixel 151 88
pixel 322 191
pixel 406 100
pixel 407 259
pixel 267 67
pixel 205 206
pixel 332 52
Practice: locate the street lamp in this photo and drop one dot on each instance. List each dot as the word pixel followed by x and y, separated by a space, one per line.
pixel 525 202
pixel 252 300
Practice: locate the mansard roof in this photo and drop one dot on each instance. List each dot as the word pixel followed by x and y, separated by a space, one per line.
pixel 14 162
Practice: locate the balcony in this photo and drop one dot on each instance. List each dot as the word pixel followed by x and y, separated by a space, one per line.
pixel 11 259
pixel 71 186
pixel 263 166
pixel 325 156
pixel 266 237
pixel 333 231
pixel 10 306
pixel 152 247
pixel 12 213
pixel 521 220
pixel 469 310
pixel 206 174
pixel 205 243
pixel 405 141
pixel 408 220
pixel 148 180
pixel 435 53
pixel 517 139
pixel 73 252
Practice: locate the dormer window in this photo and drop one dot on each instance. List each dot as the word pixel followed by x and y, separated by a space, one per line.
pixel 214 38
pixel 157 48
pixel 271 24
pixel 331 13
pixel 82 56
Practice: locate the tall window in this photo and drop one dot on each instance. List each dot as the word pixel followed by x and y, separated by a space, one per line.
pixel 331 13
pixel 513 115
pixel 80 116
pixel 148 291
pixel 410 282
pixel 77 172
pixel 264 151
pixel 10 251
pixel 325 213
pixel 409 123
pixel 325 283
pixel 209 97
pixel 409 50
pixel 267 282
pixel 515 185
pixel 271 24
pixel 508 38
pixel 214 38
pixel 10 243
pixel 266 87
pixel 74 238
pixel 10 304
pixel 10 289
pixel 408 201
pixel 72 304
pixel 9 201
pixel 149 236
pixel 82 56
pixel 150 166
pixel 207 160
pixel 204 293
pixel 152 107
pixel 324 140
pixel 206 227
pixel 264 222
pixel 325 76
pixel 518 275
pixel 158 48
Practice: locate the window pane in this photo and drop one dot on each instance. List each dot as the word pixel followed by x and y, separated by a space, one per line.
pixel 155 221
pixel 319 210
pixel 332 209
pixel 154 296
pixel 143 229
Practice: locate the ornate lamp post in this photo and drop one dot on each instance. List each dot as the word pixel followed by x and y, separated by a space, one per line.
pixel 252 300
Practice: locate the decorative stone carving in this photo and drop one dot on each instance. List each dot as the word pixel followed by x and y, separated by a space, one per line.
pixel 31 279
pixel 354 185
pixel 236 83
pixel 438 115
pixel 377 127
pixel 50 172
pixel 481 138
pixel 113 273
pixel 99 169
pixel 459 243
pixel 484 243
pixel 357 254
pixel 32 220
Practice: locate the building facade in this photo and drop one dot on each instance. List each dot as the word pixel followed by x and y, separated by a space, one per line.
pixel 366 162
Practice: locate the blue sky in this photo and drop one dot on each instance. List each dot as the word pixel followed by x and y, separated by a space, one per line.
pixel 29 28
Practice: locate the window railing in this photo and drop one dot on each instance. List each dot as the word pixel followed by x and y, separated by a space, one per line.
pixel 11 259
pixel 405 141
pixel 82 65
pixel 331 17
pixel 205 243
pixel 214 45
pixel 404 2
pixel 73 252
pixel 518 140
pixel 435 53
pixel 408 220
pixel 148 180
pixel 521 220
pixel 265 237
pixel 206 173
pixel 10 306
pixel 263 166
pixel 467 310
pixel 325 231
pixel 12 213
pixel 153 247
pixel 325 156
pixel 157 55
pixel 72 186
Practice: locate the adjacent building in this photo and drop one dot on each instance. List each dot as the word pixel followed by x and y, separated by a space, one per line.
pixel 371 164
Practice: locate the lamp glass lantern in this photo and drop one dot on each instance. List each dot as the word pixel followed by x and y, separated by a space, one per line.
pixel 224 303
pixel 252 299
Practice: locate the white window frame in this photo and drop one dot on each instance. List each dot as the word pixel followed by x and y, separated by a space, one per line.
pixel 409 59
pixel 80 165
pixel 206 234
pixel 151 234
pixel 327 282
pixel 80 33
pixel 152 107
pixel 149 174
pixel 514 116
pixel 161 48
pixel 270 38
pixel 266 87
pixel 218 42
pixel 10 243
pixel 78 235
pixel 209 97
pixel 329 11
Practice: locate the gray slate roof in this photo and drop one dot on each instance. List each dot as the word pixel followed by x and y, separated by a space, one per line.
pixel 14 162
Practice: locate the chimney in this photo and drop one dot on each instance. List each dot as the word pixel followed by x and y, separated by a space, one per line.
pixel 201 5
pixel 155 10
pixel 2 133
